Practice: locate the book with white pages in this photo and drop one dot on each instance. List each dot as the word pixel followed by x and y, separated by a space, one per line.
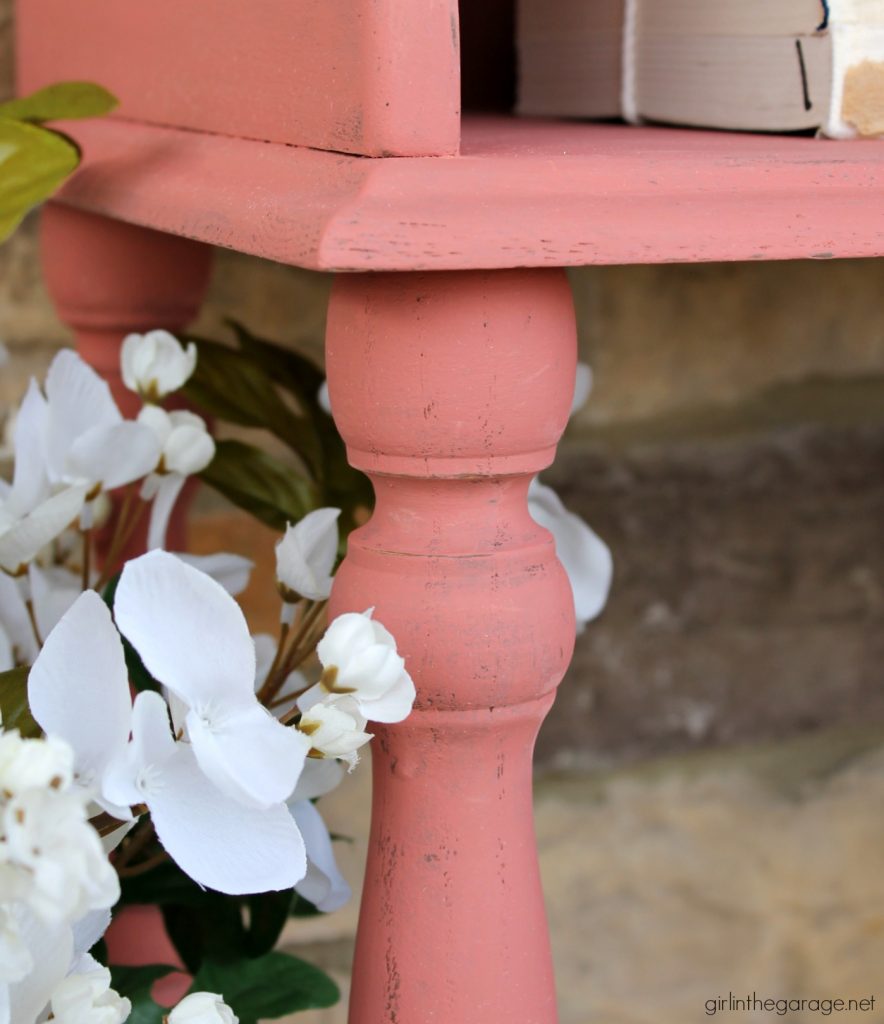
pixel 754 65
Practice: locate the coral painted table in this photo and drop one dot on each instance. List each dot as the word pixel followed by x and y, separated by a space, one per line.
pixel 328 134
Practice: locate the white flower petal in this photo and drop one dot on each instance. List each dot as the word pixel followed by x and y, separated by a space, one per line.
pixel 164 501
pixel 231 571
pixel 320 776
pixel 53 591
pixel 7 658
pixel 334 728
pixel 15 620
pixel 585 556
pixel 85 996
pixel 582 387
pixel 248 754
pixel 306 554
pixel 51 947
pixel 219 842
pixel 323 885
pixel 202 1008
pixel 78 401
pixel 155 417
pixel 152 743
pixel 393 706
pixel 88 930
pixel 265 652
pixel 112 455
pixel 23 539
pixel 30 484
pixel 188 450
pixel 78 687
pixel 322 397
pixel 190 633
pixel 155 364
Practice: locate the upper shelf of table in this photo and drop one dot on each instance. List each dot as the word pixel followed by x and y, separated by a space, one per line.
pixel 520 193
pixel 327 133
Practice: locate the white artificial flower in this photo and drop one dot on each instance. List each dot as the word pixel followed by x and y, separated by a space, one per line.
pixel 231 571
pixel 31 515
pixel 360 661
pixel 155 364
pixel 49 841
pixel 15 957
pixel 51 951
pixel 335 728
pixel 51 592
pixel 306 555
pixel 202 1008
pixel 584 555
pixel 88 443
pixel 55 951
pixel 33 763
pixel 323 885
pixel 162 606
pixel 186 447
pixel 582 387
pixel 323 398
pixel 85 997
pixel 79 689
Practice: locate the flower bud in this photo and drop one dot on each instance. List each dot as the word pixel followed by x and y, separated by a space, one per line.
pixel 187 445
pixel 359 658
pixel 306 555
pixel 155 364
pixel 203 1008
pixel 335 728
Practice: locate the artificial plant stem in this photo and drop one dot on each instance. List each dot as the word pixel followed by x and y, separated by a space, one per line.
pixel 105 823
pixel 134 844
pixel 122 535
pixel 142 867
pixel 263 694
pixel 32 616
pixel 87 558
pixel 277 677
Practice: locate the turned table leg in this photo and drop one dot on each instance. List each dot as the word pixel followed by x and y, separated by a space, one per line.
pixel 108 279
pixel 451 391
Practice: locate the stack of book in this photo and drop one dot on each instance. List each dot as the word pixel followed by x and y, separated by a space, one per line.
pixel 757 65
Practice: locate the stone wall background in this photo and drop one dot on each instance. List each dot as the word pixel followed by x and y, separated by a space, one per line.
pixel 711 793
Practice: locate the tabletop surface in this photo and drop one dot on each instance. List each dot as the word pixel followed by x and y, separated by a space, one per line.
pixel 521 192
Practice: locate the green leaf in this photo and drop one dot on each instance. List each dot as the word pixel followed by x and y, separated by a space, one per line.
pixel 61 101
pixel 213 931
pixel 259 483
pixel 136 983
pixel 268 913
pixel 302 907
pixel 343 487
pixel 139 677
pixel 166 883
pixel 267 987
pixel 14 702
pixel 33 163
pixel 292 371
pixel 235 387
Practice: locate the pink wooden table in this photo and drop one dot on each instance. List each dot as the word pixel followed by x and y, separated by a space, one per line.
pixel 328 134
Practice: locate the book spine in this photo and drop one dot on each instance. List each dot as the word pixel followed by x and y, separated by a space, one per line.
pixel 856 103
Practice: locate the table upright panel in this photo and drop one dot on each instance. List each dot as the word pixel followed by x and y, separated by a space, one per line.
pixel 372 77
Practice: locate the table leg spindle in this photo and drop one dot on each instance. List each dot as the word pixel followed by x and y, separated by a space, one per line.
pixel 451 391
pixel 108 279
